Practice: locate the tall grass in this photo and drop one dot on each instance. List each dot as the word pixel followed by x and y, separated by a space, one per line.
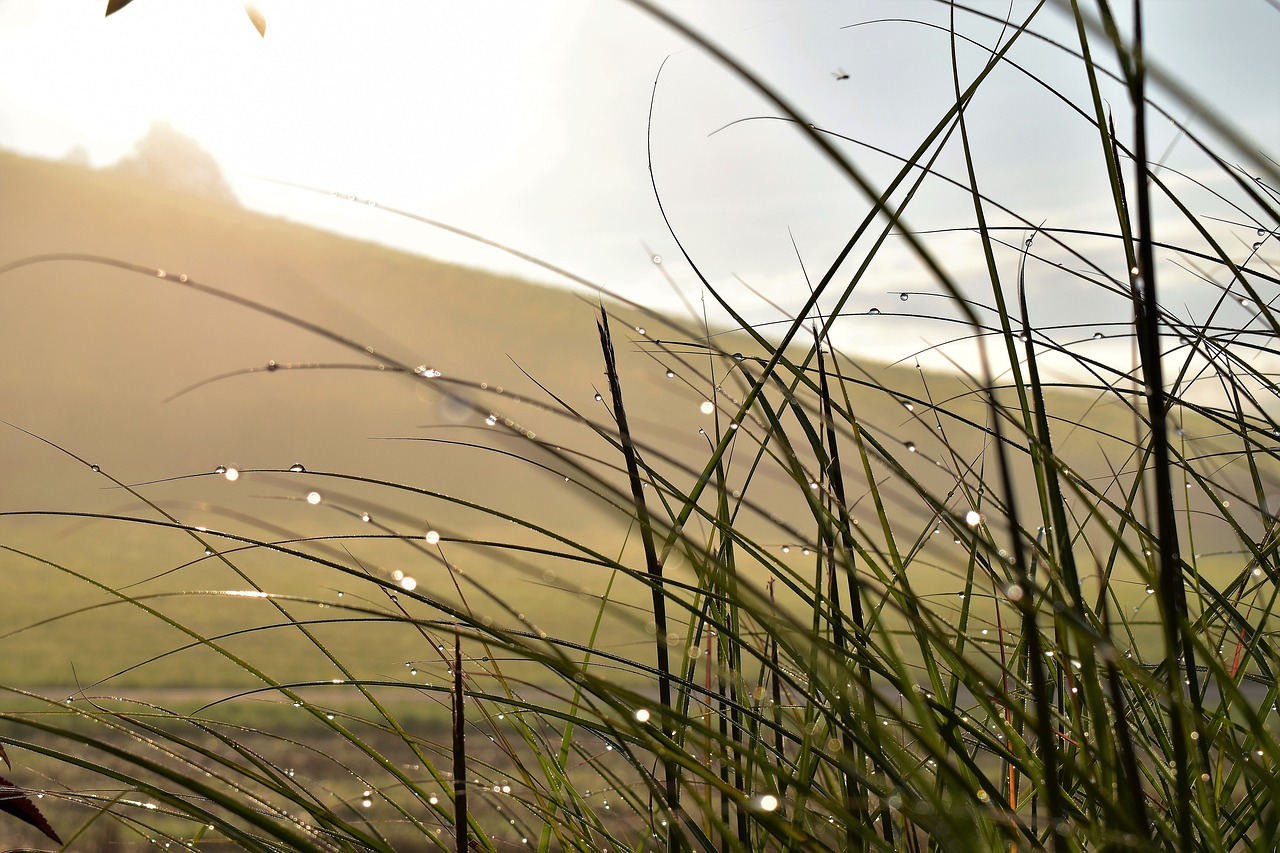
pixel 878 613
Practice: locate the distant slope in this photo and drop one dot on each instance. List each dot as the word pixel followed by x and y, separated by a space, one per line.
pixel 89 354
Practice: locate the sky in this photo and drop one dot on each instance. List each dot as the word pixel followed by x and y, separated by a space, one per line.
pixel 531 124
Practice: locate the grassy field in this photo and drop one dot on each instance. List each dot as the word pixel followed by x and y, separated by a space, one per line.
pixel 308 544
pixel 111 405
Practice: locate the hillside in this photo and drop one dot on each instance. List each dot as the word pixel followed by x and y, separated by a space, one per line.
pixel 93 354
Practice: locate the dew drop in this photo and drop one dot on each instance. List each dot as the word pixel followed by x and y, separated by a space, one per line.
pixel 1257 246
pixel 657 259
pixel 909 407
pixel 1097 336
pixel 95 469
pixel 221 469
pixel 737 356
pixel 297 468
pixel 973 518
pixel 768 803
pixel 640 330
pixel 365 517
pixel 1261 232
pixel 183 278
pixel 1150 590
pixel 408 584
pixel 786 549
pixel 432 537
pixel 599 399
pixel 492 420
pixel 313 498
pixel 910 445
pixel 271 365
pixel 642 715
pixel 161 274
pixel 232 474
pixel 874 311
pixel 707 407
pixel 671 375
pixel 903 297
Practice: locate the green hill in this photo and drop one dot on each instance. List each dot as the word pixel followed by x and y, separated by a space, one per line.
pixel 94 354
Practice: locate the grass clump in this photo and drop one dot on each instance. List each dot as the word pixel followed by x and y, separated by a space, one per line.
pixel 1025 605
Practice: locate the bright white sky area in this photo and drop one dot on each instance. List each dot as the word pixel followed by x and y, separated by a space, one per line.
pixel 526 122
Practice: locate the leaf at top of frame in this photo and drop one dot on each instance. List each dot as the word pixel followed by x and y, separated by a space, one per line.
pixel 259 20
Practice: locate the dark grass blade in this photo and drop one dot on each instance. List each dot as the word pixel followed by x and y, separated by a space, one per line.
pixel 460 828
pixel 653 564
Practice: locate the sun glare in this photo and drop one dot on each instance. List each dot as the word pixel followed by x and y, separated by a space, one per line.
pixel 333 95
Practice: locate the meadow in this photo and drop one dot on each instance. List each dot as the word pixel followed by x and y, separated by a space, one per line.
pixel 309 544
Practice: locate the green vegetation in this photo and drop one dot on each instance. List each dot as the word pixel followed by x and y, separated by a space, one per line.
pixel 554 605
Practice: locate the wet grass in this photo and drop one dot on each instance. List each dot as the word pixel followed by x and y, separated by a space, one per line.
pixel 1024 606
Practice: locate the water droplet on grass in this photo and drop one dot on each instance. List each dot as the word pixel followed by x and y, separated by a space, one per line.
pixel 95 469
pixel 707 407
pixel 232 474
pixel 910 445
pixel 492 420
pixel 432 537
pixel 903 297
pixel 297 468
pixel 657 259
pixel 365 517
pixel 408 584
pixel 1257 246
pixel 161 274
pixel 642 715
pixel 1097 336
pixel 313 498
pixel 874 311
pixel 737 356
pixel 973 518
pixel 671 375
pixel 768 803
pixel 599 399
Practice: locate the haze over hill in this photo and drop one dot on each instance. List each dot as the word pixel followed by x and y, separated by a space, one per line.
pixel 94 354
pixel 171 160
